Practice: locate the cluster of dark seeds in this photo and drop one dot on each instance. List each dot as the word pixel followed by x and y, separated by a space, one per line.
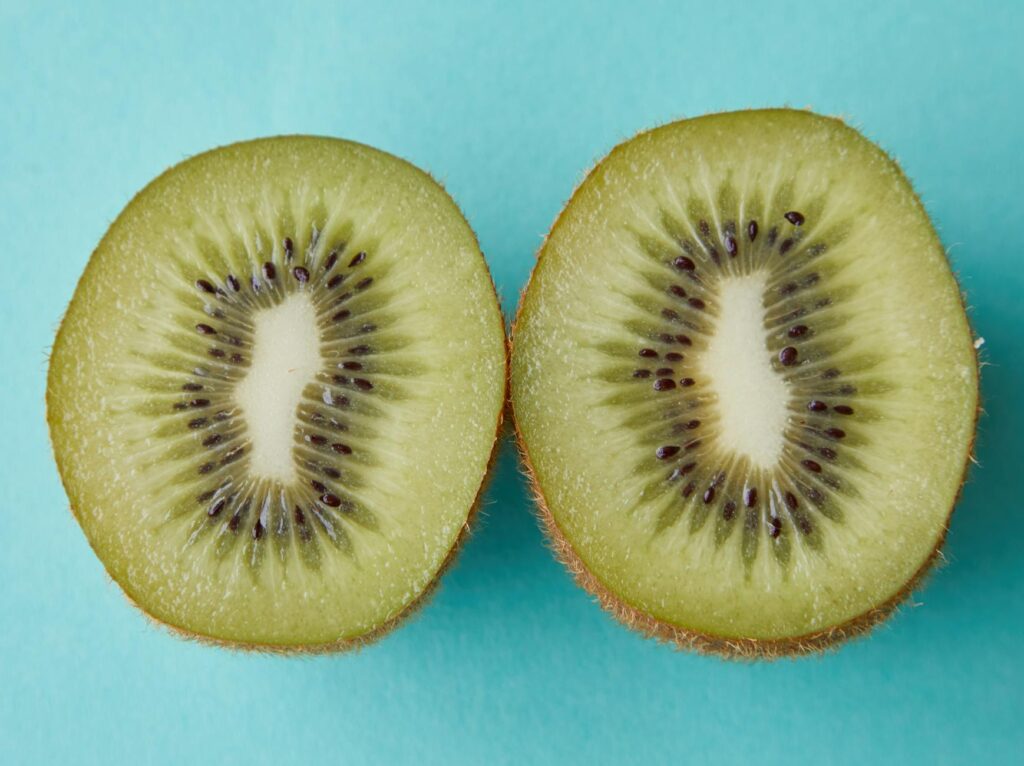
pixel 726 490
pixel 229 503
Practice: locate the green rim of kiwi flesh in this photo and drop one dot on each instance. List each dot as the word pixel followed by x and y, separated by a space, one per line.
pixel 745 384
pixel 275 394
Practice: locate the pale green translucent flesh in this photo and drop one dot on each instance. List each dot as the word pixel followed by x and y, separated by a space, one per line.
pixel 903 309
pixel 430 446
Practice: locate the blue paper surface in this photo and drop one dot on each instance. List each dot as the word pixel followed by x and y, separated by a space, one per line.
pixel 507 104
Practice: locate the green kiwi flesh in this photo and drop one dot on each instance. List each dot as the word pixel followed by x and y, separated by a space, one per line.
pixel 275 394
pixel 745 384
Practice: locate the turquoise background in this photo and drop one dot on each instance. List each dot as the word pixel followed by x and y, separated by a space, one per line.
pixel 508 106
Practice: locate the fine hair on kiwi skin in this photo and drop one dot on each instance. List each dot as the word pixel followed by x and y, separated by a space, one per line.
pixel 735 647
pixel 308 247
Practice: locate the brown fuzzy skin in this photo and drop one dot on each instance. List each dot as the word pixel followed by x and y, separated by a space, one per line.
pixel 412 608
pixel 728 647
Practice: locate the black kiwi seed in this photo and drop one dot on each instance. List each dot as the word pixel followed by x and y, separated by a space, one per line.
pixel 788 356
pixel 301 274
pixel 795 218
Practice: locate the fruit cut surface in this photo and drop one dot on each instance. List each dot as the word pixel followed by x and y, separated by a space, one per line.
pixel 745 382
pixel 274 396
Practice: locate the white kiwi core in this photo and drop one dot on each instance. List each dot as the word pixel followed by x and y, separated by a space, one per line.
pixel 286 356
pixel 753 398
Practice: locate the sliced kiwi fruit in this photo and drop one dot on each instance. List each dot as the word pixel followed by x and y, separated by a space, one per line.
pixel 276 392
pixel 744 383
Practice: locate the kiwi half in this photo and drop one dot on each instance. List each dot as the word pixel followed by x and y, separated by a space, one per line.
pixel 744 383
pixel 275 394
